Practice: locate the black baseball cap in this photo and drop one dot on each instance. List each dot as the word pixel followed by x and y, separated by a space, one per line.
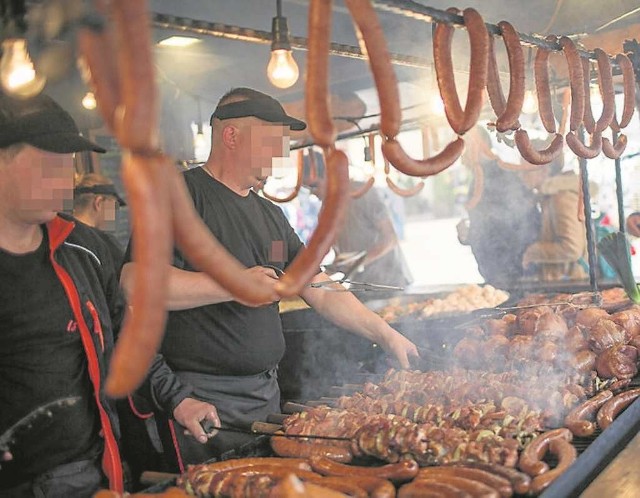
pixel 100 190
pixel 39 121
pixel 262 107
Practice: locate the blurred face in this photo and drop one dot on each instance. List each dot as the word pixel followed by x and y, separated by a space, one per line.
pixel 262 144
pixel 36 185
pixel 107 213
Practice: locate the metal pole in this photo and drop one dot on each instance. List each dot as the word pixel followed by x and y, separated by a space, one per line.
pixel 588 221
pixel 621 222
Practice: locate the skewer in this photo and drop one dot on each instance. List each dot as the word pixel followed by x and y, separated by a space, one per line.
pixel 290 407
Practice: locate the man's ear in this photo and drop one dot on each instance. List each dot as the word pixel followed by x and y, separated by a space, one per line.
pixel 230 136
pixel 97 202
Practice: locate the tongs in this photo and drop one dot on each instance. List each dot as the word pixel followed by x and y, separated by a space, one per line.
pixel 345 285
pixel 499 311
pixel 29 420
pixel 342 284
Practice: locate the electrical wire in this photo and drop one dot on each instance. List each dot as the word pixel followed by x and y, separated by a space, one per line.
pixel 553 18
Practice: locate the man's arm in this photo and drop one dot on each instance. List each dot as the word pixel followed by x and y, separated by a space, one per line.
pixel 189 289
pixel 166 392
pixel 388 241
pixel 346 311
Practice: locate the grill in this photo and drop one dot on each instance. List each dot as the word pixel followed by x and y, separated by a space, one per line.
pixel 344 356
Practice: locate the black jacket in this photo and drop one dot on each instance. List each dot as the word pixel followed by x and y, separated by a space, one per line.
pixel 85 268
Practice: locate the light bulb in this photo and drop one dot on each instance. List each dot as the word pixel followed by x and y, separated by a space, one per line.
pixel 17 74
pixel 89 101
pixel 530 104
pixel 282 69
pixel 199 141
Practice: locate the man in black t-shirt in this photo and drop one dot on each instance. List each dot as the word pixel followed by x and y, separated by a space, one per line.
pixel 218 358
pixel 59 311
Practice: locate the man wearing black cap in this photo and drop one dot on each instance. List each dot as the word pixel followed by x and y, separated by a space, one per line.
pixel 219 357
pixel 95 201
pixel 59 311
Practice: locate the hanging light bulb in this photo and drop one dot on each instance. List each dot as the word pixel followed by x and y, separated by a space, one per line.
pixel 17 74
pixel 89 101
pixel 199 142
pixel 530 104
pixel 282 69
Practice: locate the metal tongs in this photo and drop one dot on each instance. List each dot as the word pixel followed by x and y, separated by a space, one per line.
pixel 499 311
pixel 30 419
pixel 343 284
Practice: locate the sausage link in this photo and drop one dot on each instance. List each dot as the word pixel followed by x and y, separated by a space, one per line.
pixel 582 150
pixel 538 157
pixel 204 252
pixel 614 151
pixel 397 472
pixel 292 487
pixel 431 488
pixel 344 485
pixel 317 107
pixel 616 405
pixel 405 192
pixel 235 463
pixel 531 457
pixel 147 189
pixel 494 88
pixel 519 480
pixel 366 19
pixel 136 124
pixel 629 86
pixel 395 154
pixel 576 80
pixel 508 120
pixel 461 120
pixel 579 422
pixel 588 119
pixel 543 89
pixel 306 449
pixel 356 194
pixel 500 484
pixel 471 486
pixel 375 486
pixel 566 454
pixel 277 471
pixel 607 92
pixel 306 263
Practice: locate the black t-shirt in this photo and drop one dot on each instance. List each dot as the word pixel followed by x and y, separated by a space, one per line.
pixel 230 338
pixel 41 360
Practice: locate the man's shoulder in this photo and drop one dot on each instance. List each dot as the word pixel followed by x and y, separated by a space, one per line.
pixel 90 239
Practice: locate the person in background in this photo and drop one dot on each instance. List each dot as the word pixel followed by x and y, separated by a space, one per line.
pixel 367 227
pixel 503 223
pixel 95 201
pixel 60 309
pixel 633 224
pixel 219 357
pixel 561 249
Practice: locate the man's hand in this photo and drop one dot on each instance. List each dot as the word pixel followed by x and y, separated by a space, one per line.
pixel 263 276
pixel 400 347
pixel 191 412
pixel 5 456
